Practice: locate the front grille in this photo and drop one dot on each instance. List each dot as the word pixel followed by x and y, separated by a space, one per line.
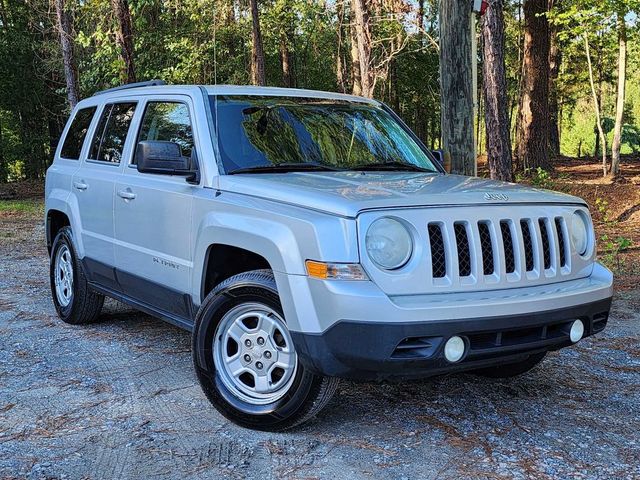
pixel 561 243
pixel 546 247
pixel 487 343
pixel 464 255
pixel 487 248
pixel 524 248
pixel 507 241
pixel 528 244
pixel 438 259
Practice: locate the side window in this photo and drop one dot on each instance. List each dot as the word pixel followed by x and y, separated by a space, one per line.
pixel 77 131
pixel 167 121
pixel 111 133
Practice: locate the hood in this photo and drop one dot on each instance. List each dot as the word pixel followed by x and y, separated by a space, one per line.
pixel 348 193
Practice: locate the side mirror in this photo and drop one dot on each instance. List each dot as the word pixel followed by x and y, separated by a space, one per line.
pixel 164 158
pixel 442 159
pixel 439 155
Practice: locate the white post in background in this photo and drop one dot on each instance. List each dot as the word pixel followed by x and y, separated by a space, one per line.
pixel 474 72
pixel 476 10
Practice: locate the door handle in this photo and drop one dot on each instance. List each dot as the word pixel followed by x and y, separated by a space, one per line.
pixel 80 185
pixel 127 194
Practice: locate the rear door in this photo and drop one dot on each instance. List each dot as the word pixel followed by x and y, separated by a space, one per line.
pixel 153 215
pixel 93 185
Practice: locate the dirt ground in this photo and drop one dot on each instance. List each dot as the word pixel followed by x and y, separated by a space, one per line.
pixel 119 399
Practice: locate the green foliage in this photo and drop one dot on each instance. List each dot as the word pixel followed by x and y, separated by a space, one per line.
pixel 199 42
pixel 21 207
pixel 209 41
pixel 602 206
pixel 29 87
pixel 612 250
pixel 612 247
pixel 595 21
pixel 541 178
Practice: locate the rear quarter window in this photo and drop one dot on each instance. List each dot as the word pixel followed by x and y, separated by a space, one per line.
pixel 74 140
pixel 111 133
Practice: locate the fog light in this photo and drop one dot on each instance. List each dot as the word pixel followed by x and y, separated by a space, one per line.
pixel 454 349
pixel 577 331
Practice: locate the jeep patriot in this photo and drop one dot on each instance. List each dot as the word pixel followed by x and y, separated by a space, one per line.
pixel 306 236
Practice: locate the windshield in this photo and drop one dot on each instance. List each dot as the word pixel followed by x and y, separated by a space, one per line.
pixel 284 133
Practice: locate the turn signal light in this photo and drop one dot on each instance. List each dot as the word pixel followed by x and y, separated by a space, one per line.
pixel 335 271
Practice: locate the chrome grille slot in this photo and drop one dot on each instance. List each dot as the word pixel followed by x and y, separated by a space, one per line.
pixel 438 258
pixel 562 245
pixel 507 241
pixel 488 266
pixel 462 243
pixel 546 243
pixel 528 244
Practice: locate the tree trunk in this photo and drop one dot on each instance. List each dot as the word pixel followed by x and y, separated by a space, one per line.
pixel 421 121
pixel 124 38
pixel 3 165
pixel 517 98
pixel 533 136
pixel 495 93
pixel 356 82
pixel 257 50
pixel 55 130
pixel 3 16
pixel 555 58
pixel 286 61
pixel 456 85
pixel 622 77
pixel 65 29
pixel 363 42
pixel 340 72
pixel 596 107
pixel 420 20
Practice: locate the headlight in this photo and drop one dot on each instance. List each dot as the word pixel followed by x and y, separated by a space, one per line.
pixel 579 232
pixel 388 243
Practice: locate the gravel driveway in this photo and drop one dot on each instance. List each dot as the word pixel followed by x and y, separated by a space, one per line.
pixel 119 399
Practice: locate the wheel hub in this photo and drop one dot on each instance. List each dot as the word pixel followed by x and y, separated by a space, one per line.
pixel 259 354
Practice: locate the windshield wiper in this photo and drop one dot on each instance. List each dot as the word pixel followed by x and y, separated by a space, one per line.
pixel 409 167
pixel 286 167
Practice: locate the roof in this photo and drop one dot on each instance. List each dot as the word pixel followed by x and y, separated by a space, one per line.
pixel 157 86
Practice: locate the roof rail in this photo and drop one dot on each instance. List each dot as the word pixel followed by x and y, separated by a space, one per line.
pixel 150 83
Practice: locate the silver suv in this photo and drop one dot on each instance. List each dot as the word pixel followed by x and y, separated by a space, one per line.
pixel 305 236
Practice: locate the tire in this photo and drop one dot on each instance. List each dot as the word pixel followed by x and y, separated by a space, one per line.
pixel 74 300
pixel 511 369
pixel 247 307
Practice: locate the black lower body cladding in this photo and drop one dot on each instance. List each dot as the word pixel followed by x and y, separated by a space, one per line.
pixel 396 351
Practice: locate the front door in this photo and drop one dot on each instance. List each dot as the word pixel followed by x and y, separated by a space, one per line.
pixel 93 185
pixel 153 216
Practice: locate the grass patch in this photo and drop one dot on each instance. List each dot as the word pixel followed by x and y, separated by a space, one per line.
pixel 21 207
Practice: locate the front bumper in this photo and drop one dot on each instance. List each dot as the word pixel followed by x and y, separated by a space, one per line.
pixel 381 351
pixel 351 330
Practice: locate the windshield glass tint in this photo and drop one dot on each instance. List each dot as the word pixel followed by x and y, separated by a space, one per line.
pixel 264 131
